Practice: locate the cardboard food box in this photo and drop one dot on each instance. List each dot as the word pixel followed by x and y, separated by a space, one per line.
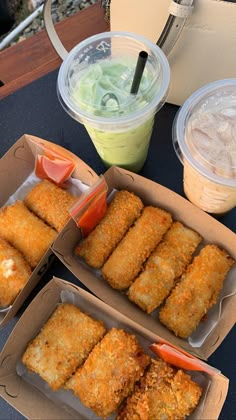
pixel 33 399
pixel 220 319
pixel 16 166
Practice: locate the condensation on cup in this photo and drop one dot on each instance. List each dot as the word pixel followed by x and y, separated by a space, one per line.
pixel 204 138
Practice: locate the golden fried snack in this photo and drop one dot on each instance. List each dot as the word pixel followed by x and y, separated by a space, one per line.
pixel 26 232
pixel 164 266
pixel 63 344
pixel 126 261
pixel 110 372
pixel 197 291
pixel 121 214
pixel 51 203
pixel 163 393
pixel 14 273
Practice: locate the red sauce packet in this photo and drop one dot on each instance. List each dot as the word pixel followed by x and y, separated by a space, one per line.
pixel 91 207
pixel 181 359
pixel 51 165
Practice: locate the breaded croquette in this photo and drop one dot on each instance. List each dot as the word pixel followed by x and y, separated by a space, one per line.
pixel 121 214
pixel 51 203
pixel 63 344
pixel 164 266
pixel 197 291
pixel 110 372
pixel 126 261
pixel 162 393
pixel 14 273
pixel 26 232
pixel 178 246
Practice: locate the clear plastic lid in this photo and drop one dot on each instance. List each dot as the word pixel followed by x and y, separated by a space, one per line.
pixel 204 131
pixel 95 79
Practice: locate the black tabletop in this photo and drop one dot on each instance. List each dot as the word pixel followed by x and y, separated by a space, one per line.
pixel 35 110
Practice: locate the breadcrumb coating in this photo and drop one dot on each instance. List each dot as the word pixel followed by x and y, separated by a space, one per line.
pixel 197 291
pixel 162 393
pixel 110 372
pixel 51 203
pixel 123 210
pixel 126 261
pixel 63 344
pixel 167 262
pixel 14 273
pixel 26 232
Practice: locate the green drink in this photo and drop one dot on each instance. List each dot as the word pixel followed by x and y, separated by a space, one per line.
pixel 94 87
pixel 128 148
pixel 125 149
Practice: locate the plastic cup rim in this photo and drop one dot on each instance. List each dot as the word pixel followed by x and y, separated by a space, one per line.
pixel 178 130
pixel 152 107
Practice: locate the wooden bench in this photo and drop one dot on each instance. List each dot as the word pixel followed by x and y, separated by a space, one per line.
pixel 34 57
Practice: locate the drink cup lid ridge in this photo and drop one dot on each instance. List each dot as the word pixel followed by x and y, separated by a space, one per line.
pixel 132 108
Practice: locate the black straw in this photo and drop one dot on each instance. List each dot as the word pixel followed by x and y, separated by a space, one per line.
pixel 142 58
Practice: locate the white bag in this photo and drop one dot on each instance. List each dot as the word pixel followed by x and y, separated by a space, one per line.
pixel 205 49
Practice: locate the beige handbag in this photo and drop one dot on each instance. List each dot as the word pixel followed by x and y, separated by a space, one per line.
pixel 199 38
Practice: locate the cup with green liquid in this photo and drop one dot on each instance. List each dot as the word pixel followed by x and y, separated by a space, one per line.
pixel 114 83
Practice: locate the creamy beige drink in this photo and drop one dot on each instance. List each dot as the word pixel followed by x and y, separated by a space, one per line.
pixel 207 146
pixel 206 194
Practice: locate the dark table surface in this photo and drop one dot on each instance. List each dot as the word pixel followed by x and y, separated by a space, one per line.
pixel 35 110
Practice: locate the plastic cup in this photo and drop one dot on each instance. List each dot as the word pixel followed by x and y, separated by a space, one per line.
pixel 204 138
pixel 94 85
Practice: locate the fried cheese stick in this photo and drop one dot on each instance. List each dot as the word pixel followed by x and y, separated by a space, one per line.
pixel 164 266
pixel 197 291
pixel 126 261
pixel 110 372
pixel 26 232
pixel 162 393
pixel 51 203
pixel 63 344
pixel 14 273
pixel 121 214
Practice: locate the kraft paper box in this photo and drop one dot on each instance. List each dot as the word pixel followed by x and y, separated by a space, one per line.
pixel 16 166
pixel 33 399
pixel 220 319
